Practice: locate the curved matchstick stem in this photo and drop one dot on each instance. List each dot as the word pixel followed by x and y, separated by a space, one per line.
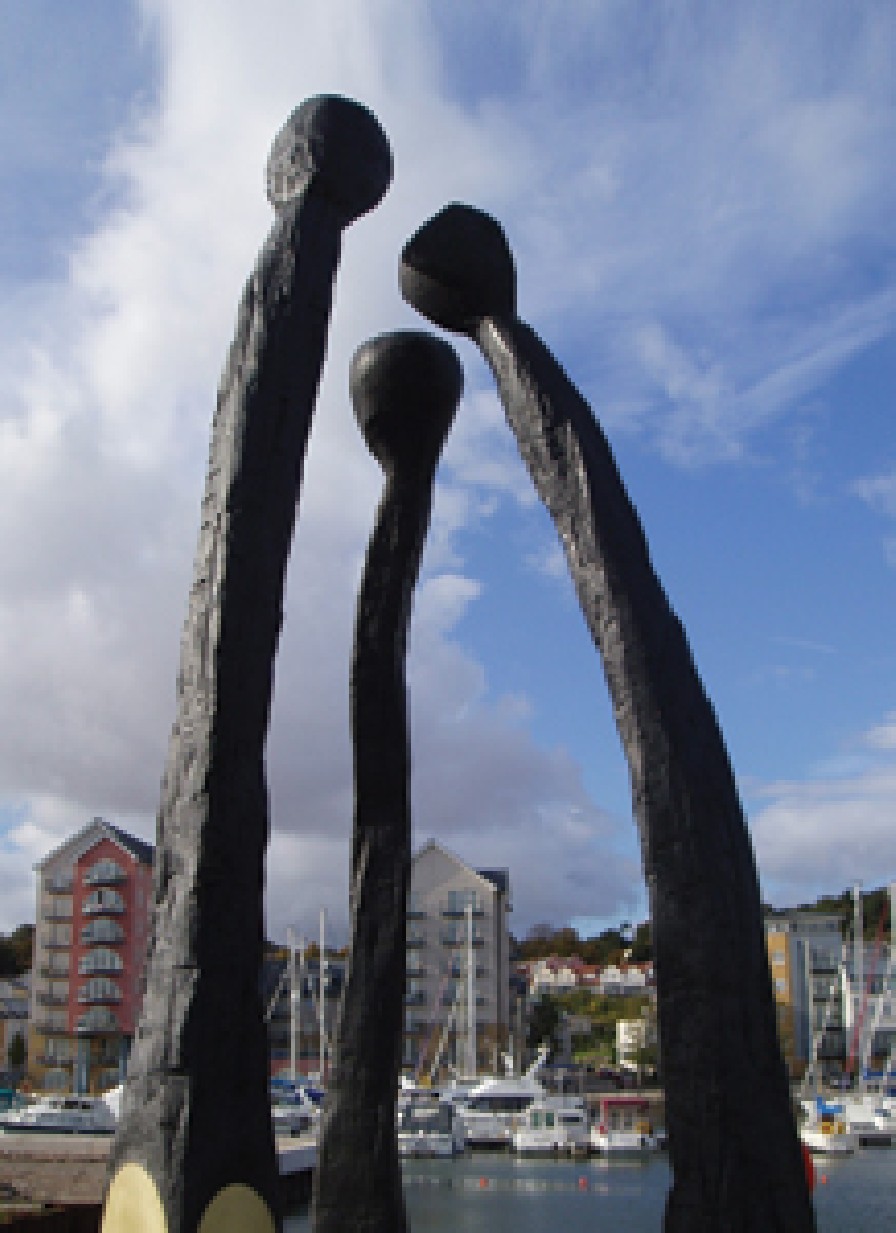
pixel 733 1142
pixel 405 388
pixel 196 1124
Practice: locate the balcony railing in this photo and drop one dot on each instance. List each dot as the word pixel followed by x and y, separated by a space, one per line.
pixel 453 937
pixel 97 1021
pixel 451 912
pixel 416 971
pixel 53 971
pixel 53 943
pixel 58 914
pixel 416 997
pixel 415 941
pixel 106 998
pixel 52 999
pixel 58 886
pixel 51 1027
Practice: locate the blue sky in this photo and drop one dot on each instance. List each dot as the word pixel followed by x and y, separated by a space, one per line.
pixel 700 201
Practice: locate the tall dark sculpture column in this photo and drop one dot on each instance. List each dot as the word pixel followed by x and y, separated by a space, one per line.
pixel 733 1143
pixel 194 1149
pixel 405 389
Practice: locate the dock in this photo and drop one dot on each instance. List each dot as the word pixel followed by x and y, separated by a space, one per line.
pixel 43 1171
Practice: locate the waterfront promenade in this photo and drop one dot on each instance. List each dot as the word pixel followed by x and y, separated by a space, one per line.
pixel 69 1170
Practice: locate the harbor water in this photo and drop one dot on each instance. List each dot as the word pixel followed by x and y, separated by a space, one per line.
pixel 501 1193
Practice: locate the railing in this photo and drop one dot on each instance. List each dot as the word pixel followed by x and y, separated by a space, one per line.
pixel 50 1059
pixel 417 971
pixel 98 999
pixel 51 971
pixel 58 886
pixel 415 941
pixel 51 1027
pixel 52 999
pixel 56 944
pixel 58 914
pixel 453 913
pixel 415 998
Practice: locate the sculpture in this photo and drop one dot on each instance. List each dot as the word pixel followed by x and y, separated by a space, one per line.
pixel 405 388
pixel 194 1148
pixel 733 1142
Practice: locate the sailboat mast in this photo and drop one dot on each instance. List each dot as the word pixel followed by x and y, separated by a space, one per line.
pixel 471 995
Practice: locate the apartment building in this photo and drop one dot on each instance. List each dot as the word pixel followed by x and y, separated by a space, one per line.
pixel 92 924
pixel 14 1012
pixel 457 989
pixel 805 953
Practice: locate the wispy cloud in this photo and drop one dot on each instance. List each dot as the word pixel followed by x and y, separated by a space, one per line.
pixel 820 834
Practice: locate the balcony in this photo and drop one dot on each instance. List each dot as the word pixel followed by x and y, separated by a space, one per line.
pixel 55 913
pixel 415 971
pixel 53 971
pixel 416 914
pixel 53 943
pixel 452 912
pixel 415 998
pixel 105 873
pixel 58 886
pixel 51 1027
pixel 453 937
pixel 52 999
pixel 415 941
pixel 96 1021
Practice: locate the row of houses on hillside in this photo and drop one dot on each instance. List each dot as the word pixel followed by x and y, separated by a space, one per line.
pixel 556 974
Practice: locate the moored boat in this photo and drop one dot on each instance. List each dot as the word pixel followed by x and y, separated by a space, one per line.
pixel 622 1126
pixel 430 1128
pixel 825 1130
pixel 89 1115
pixel 552 1125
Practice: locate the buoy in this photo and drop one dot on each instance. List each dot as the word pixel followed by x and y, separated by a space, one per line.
pixel 583 1183
pixel 824 1179
pixel 483 1183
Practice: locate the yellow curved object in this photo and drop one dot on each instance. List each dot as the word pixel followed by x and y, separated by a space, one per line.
pixel 236 1209
pixel 133 1204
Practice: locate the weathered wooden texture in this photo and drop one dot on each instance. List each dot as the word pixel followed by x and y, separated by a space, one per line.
pixel 405 388
pixel 733 1143
pixel 196 1111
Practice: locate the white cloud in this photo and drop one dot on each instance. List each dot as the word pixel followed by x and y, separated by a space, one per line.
pixel 823 833
pixel 664 195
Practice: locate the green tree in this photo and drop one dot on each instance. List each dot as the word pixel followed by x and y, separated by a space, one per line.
pixel 16 1051
pixel 544 1020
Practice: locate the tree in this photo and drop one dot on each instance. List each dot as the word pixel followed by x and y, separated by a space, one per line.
pixel 544 1020
pixel 16 951
pixel 16 1052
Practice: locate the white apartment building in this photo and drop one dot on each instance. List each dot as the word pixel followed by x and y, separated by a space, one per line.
pixel 457 987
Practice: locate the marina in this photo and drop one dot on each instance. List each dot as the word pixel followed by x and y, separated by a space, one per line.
pixel 487 1192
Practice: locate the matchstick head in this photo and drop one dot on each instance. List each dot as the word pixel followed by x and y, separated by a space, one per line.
pixel 458 268
pixel 339 145
pixel 405 388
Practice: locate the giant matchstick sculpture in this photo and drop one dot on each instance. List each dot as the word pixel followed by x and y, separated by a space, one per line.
pixel 405 389
pixel 194 1150
pixel 733 1144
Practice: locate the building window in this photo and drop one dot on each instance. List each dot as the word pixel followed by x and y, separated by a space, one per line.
pixel 100 960
pixel 102 931
pixel 103 901
pixel 99 1019
pixel 99 990
pixel 105 872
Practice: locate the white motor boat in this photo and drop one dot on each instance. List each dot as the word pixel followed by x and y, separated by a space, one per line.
pixel 623 1127
pixel 496 1105
pixel 293 1109
pixel 86 1115
pixel 430 1128
pixel 552 1125
pixel 825 1129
